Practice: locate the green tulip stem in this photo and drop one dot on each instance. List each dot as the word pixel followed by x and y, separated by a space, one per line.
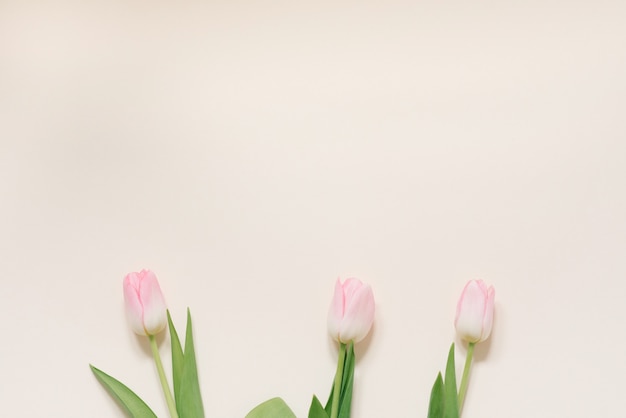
pixel 334 412
pixel 171 405
pixel 465 378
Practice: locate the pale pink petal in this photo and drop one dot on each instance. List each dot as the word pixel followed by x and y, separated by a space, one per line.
pixel 488 315
pixel 335 312
pixel 145 306
pixel 359 312
pixel 134 307
pixel 350 287
pixel 470 309
pixel 474 314
pixel 154 309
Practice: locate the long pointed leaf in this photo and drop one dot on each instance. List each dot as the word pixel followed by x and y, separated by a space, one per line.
pixel 177 361
pixel 436 405
pixel 451 395
pixel 329 403
pixel 273 408
pixel 317 410
pixel 132 403
pixel 190 396
pixel 348 366
pixel 345 400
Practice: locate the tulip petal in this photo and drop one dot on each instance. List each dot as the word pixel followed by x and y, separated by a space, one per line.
pixel 350 287
pixel 470 310
pixel 145 306
pixel 488 315
pixel 474 314
pixel 154 309
pixel 359 312
pixel 134 308
pixel 335 313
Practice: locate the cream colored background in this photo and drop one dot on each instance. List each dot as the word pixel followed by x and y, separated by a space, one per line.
pixel 252 152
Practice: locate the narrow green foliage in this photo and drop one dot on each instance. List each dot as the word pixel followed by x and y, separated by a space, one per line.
pixel 443 396
pixel 346 387
pixel 437 406
pixel 317 410
pixel 273 408
pixel 345 400
pixel 131 403
pixel 451 409
pixel 189 401
pixel 329 403
pixel 177 362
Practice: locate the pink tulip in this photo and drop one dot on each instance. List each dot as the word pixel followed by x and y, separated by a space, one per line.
pixel 474 312
pixel 145 305
pixel 351 312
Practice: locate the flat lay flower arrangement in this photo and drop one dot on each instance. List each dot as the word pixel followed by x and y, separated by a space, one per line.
pixel 350 318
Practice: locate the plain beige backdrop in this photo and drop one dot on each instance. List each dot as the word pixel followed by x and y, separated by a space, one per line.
pixel 251 152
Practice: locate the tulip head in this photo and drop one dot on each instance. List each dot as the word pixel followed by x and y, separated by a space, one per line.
pixel 474 312
pixel 145 305
pixel 351 312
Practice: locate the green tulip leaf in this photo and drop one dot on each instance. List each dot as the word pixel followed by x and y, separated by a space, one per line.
pixel 329 403
pixel 317 410
pixel 436 405
pixel 345 389
pixel 189 401
pixel 451 409
pixel 274 408
pixel 177 361
pixel 345 399
pixel 132 403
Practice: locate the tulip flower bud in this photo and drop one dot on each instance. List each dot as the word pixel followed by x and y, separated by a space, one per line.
pixel 351 312
pixel 145 305
pixel 474 312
